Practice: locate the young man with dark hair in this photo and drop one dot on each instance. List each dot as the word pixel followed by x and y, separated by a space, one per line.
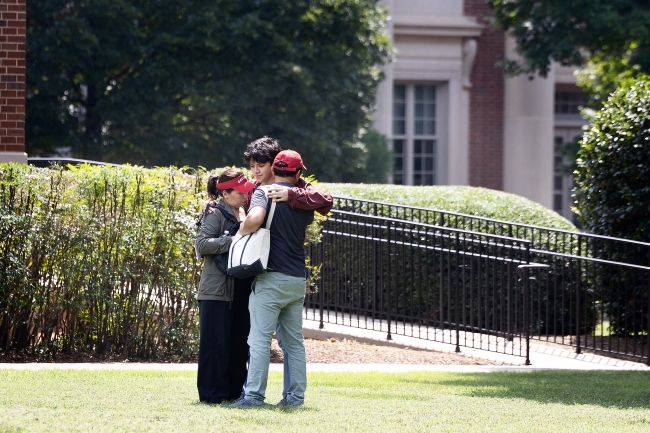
pixel 259 155
pixel 278 295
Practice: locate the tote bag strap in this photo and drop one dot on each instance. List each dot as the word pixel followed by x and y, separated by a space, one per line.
pixel 269 216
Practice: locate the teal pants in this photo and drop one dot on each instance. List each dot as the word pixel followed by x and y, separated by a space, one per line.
pixel 277 299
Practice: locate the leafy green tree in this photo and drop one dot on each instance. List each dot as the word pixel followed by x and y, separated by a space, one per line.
pixel 572 32
pixel 191 82
pixel 376 160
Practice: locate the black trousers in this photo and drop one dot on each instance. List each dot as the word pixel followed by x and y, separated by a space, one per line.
pixel 212 379
pixel 223 345
pixel 240 324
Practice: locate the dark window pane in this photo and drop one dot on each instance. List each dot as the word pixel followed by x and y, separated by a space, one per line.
pixel 428 179
pixel 397 179
pixel 417 164
pixel 417 146
pixel 400 93
pixel 398 146
pixel 417 179
pixel 399 163
pixel 419 127
pixel 399 127
pixel 419 93
pixel 428 163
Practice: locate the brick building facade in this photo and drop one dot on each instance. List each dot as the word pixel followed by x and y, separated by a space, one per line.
pixel 451 116
pixel 13 31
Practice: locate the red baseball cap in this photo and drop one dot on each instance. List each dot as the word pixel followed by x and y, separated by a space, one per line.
pixel 240 183
pixel 288 160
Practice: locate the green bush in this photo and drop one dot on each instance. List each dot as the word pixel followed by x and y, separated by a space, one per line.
pixel 613 168
pixel 613 198
pixel 481 202
pixel 98 259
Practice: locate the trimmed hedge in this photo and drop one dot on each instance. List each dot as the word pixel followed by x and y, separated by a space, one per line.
pixel 481 202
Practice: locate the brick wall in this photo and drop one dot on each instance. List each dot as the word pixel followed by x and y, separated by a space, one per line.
pixel 486 104
pixel 12 78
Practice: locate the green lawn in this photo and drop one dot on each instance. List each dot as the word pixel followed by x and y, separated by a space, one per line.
pixel 547 401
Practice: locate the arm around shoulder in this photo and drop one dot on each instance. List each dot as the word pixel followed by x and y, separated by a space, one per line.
pixel 305 196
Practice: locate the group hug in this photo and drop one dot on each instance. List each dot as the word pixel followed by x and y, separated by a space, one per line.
pixel 238 316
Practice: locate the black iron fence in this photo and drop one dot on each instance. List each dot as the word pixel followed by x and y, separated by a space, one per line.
pixel 453 278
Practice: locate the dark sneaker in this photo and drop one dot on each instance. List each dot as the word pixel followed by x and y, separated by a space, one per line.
pixel 243 402
pixel 285 403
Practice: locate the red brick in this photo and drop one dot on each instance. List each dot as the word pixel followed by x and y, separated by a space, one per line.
pixel 8 16
pixel 15 148
pixel 16 71
pixel 5 139
pixel 486 104
pixel 9 31
pixel 7 124
pixel 19 39
pixel 9 47
pixel 15 116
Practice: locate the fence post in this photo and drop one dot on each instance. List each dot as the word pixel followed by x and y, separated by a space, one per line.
pixel 456 303
pixel 578 350
pixel 389 276
pixel 525 270
pixel 321 295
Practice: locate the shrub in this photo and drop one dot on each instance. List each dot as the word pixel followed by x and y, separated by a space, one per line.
pixel 613 198
pixel 98 259
pixel 613 168
pixel 481 202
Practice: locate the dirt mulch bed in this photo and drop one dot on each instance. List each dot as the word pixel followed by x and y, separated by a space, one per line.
pixel 346 351
pixel 330 351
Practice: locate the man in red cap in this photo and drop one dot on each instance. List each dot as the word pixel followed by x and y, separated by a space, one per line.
pixel 278 295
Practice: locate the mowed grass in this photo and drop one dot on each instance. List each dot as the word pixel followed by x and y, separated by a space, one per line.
pixel 140 401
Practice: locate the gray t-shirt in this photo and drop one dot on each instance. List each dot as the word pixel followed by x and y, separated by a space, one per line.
pixel 288 228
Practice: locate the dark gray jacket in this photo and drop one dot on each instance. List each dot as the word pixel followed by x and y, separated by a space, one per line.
pixel 214 285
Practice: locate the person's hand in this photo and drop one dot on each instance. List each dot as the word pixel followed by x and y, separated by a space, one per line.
pixel 279 193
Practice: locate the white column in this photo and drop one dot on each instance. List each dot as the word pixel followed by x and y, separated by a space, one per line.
pixel 528 135
pixel 458 137
pixel 383 115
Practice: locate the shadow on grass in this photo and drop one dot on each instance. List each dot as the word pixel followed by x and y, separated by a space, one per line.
pixel 266 406
pixel 621 389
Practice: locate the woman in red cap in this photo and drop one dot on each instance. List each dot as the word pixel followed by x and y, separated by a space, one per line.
pixel 217 379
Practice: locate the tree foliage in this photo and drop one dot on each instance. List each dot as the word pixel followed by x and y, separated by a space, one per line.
pixel 376 160
pixel 191 82
pixel 613 168
pixel 571 32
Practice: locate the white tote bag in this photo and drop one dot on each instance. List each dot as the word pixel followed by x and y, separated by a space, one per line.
pixel 249 254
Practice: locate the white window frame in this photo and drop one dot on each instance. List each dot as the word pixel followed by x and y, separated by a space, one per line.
pixel 409 136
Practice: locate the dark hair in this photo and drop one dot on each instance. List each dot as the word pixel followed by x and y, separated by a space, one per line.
pixel 262 150
pixel 284 173
pixel 213 191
